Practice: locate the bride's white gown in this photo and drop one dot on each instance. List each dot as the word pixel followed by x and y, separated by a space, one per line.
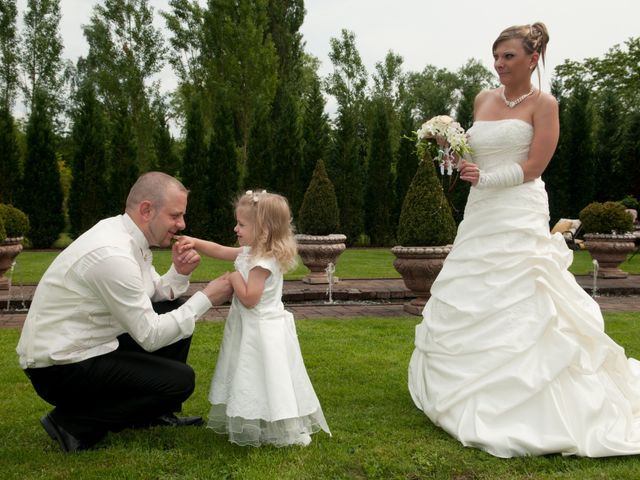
pixel 511 356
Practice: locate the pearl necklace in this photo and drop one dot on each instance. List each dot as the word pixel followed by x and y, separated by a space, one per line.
pixel 520 99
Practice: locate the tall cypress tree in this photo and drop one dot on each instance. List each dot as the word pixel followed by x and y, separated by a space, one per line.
pixel 407 160
pixel 346 168
pixel 577 131
pixel 607 134
pixel 123 166
pixel 125 51
pixel 315 131
pixel 285 20
pixel 556 175
pixel 43 201
pixel 9 159
pixel 195 172
pixel 239 60
pixel 346 172
pixel 166 159
pixel 9 54
pixel 223 164
pixel 41 55
pixel 379 195
pixel 259 164
pixel 9 155
pixel 287 148
pixel 629 153
pixel 88 198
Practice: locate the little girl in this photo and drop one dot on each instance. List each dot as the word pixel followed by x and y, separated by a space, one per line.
pixel 260 392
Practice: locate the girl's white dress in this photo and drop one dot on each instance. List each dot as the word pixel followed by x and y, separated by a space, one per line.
pixel 511 355
pixel 260 392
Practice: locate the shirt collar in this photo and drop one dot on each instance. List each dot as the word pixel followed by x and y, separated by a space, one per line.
pixel 138 237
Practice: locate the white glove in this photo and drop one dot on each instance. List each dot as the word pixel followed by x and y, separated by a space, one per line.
pixel 508 176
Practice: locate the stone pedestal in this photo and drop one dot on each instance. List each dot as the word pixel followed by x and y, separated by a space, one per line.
pixel 610 250
pixel 9 250
pixel 316 252
pixel 419 267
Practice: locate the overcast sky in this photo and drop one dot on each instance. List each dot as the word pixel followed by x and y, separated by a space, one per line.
pixel 441 33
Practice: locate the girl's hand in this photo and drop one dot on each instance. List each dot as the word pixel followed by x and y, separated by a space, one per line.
pixel 184 242
pixel 235 278
pixel 184 251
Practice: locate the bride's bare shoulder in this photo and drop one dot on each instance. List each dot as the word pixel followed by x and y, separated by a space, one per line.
pixel 547 102
pixel 482 97
pixel 547 99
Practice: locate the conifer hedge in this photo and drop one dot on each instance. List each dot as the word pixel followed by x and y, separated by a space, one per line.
pixel 426 218
pixel 319 214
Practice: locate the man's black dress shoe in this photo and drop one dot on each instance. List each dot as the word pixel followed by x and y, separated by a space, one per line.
pixel 171 420
pixel 67 441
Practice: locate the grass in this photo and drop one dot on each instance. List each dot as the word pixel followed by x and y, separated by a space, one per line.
pixel 353 263
pixel 359 370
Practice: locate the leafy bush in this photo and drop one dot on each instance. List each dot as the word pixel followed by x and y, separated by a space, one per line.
pixel 16 222
pixel 3 232
pixel 605 217
pixel 630 202
pixel 425 219
pixel 319 214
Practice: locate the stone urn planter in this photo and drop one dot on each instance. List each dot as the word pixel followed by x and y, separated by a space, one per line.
pixel 610 250
pixel 9 250
pixel 317 251
pixel 419 267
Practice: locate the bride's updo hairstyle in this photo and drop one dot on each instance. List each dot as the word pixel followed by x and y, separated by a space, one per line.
pixel 534 39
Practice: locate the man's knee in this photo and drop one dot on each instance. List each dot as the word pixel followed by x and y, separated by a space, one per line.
pixel 184 380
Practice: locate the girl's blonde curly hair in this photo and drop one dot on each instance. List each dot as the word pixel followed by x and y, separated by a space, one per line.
pixel 273 233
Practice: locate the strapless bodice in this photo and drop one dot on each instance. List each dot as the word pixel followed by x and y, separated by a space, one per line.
pixel 499 142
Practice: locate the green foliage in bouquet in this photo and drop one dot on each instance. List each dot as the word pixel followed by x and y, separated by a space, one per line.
pixel 319 214
pixel 607 217
pixel 15 221
pixel 426 219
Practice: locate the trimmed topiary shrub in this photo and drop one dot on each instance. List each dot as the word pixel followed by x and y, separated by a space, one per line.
pixel 15 221
pixel 319 214
pixel 426 218
pixel 630 202
pixel 607 217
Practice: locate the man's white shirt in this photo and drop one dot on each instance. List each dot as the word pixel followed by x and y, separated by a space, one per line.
pixel 99 287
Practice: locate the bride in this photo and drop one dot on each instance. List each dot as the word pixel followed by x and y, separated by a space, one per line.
pixel 511 356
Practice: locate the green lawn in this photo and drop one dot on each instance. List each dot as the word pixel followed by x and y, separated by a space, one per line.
pixel 359 370
pixel 353 263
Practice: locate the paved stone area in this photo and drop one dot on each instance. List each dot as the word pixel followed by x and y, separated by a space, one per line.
pixel 351 298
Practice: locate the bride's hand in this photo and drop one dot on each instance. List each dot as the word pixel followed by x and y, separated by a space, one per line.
pixel 469 172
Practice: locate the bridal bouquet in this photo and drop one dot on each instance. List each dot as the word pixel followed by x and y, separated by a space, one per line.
pixel 445 141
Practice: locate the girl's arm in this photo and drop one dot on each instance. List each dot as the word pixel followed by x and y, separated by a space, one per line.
pixel 211 249
pixel 249 293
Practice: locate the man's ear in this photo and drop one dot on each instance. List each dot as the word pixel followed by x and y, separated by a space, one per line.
pixel 145 209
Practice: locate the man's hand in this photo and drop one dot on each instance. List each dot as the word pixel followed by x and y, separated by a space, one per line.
pixel 184 261
pixel 219 290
